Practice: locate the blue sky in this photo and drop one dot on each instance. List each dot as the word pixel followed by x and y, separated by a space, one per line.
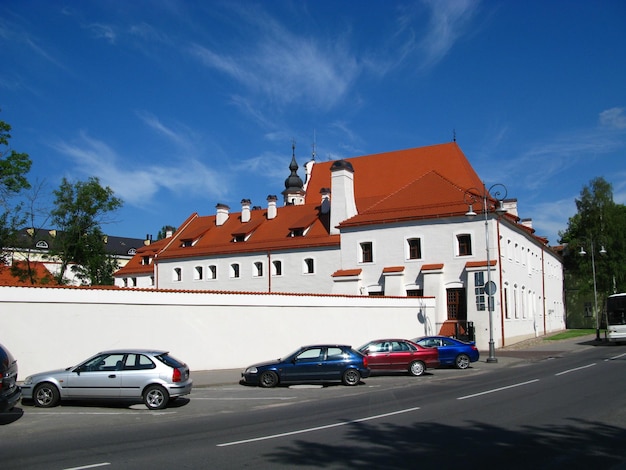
pixel 178 106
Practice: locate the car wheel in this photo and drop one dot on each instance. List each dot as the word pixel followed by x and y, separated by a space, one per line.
pixel 268 379
pixel 46 395
pixel 462 361
pixel 155 397
pixel 417 368
pixel 351 377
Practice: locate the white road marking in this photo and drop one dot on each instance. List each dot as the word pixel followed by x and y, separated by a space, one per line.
pixel 103 464
pixel 615 357
pixel 573 370
pixel 318 428
pixel 498 389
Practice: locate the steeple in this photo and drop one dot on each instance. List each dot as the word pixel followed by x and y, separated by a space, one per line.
pixel 294 192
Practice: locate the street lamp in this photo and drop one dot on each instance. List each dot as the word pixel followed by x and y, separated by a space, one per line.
pixel 582 252
pixel 471 196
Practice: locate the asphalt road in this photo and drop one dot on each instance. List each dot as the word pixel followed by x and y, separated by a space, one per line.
pixel 559 412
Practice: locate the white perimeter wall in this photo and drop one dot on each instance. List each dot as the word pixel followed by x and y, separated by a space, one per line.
pixel 50 328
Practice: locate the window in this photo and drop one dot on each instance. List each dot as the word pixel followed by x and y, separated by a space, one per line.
pixel 145 260
pixel 258 269
pixel 197 273
pixel 465 244
pixel 134 281
pixel 125 280
pixel 178 275
pixel 212 272
pixel 479 290
pixel 187 243
pixel 309 266
pixel 277 268
pixel 415 248
pixel 239 238
pixel 367 254
pixel 234 270
pixel 297 232
pixel 42 244
pixel 151 280
pixel 415 293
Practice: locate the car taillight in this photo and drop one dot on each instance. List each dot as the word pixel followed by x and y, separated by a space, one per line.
pixel 364 361
pixel 176 376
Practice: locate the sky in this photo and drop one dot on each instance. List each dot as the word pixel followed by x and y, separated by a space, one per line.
pixel 180 105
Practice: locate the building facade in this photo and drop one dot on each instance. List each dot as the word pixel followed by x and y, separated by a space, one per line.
pixel 393 224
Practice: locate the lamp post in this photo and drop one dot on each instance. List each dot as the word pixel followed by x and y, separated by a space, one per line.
pixel 471 196
pixel 582 252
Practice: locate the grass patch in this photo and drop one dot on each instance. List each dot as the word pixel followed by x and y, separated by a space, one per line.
pixel 571 334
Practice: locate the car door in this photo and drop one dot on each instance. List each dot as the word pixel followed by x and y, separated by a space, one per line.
pixel 378 355
pixel 334 364
pixel 97 378
pixel 401 355
pixel 307 366
pixel 136 374
pixel 448 351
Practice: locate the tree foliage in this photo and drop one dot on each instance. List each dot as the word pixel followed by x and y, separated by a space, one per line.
pixel 80 209
pixel 598 229
pixel 164 231
pixel 14 167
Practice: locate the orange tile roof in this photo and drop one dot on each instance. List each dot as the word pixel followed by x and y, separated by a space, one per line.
pixel 412 184
pixel 21 273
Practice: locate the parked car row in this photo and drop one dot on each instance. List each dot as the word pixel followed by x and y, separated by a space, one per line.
pixel 341 363
pixel 10 392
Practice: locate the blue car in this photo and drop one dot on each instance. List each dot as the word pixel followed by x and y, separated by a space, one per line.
pixel 310 364
pixel 452 352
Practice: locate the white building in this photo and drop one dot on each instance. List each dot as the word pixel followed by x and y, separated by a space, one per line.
pixel 392 224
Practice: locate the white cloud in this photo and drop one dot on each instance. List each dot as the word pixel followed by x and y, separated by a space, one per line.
pixel 613 118
pixel 139 186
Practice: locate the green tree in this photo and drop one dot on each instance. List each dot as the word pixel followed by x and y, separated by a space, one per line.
pixel 79 210
pixel 596 229
pixel 14 167
pixel 165 230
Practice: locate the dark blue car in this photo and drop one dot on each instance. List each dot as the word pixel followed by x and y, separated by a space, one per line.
pixel 452 351
pixel 310 364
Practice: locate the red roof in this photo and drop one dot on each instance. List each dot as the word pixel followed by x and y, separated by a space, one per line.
pixel 22 273
pixel 412 184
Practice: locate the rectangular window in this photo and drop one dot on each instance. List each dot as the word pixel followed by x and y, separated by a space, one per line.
pixel 278 268
pixel 309 266
pixel 465 244
pixel 198 274
pixel 367 254
pixel 212 272
pixel 415 248
pixel 479 290
pixel 415 293
pixel 258 269
pixel 234 270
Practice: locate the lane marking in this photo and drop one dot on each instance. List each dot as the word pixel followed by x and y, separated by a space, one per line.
pixel 244 399
pixel 574 370
pixel 497 389
pixel 103 464
pixel 318 428
pixel 615 357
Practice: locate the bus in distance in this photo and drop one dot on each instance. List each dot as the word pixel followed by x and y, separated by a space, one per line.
pixel 616 317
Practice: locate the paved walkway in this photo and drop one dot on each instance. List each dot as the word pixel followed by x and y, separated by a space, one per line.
pixel 531 350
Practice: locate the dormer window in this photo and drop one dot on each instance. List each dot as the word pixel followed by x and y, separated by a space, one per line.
pixel 239 238
pixel 298 232
pixel 42 244
pixel 146 260
pixel 132 252
pixel 186 243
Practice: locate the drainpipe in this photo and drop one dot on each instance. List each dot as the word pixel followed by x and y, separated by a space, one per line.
pixel 269 271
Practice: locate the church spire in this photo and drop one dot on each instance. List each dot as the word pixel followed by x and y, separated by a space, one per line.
pixel 294 192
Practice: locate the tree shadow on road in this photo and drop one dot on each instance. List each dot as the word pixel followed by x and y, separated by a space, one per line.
pixel 581 444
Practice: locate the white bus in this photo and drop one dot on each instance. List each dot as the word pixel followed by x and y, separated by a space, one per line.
pixel 616 317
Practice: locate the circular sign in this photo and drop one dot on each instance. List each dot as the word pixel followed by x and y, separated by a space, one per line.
pixel 490 288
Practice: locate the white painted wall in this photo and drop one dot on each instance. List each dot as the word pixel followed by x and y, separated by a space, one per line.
pixel 49 328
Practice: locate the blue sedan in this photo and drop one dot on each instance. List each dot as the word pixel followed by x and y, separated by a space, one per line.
pixel 452 351
pixel 317 363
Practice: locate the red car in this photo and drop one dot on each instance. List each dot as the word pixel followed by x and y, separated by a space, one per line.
pixel 399 355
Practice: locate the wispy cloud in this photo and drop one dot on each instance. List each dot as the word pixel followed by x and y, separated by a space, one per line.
pixel 613 118
pixel 284 67
pixel 181 136
pixel 138 187
pixel 103 31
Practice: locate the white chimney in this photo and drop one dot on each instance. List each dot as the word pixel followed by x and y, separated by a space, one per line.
pixel 342 204
pixel 527 223
pixel 245 210
pixel 222 214
pixel 271 207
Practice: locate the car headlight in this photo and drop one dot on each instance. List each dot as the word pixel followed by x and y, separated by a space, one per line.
pixel 28 381
pixel 251 370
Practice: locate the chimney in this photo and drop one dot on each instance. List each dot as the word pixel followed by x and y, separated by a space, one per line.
pixel 342 204
pixel 222 214
pixel 245 210
pixel 271 207
pixel 325 192
pixel 527 223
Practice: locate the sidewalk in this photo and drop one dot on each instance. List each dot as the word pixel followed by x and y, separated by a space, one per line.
pixel 532 350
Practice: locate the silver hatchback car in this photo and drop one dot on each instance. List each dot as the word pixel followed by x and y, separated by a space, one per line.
pixel 151 377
